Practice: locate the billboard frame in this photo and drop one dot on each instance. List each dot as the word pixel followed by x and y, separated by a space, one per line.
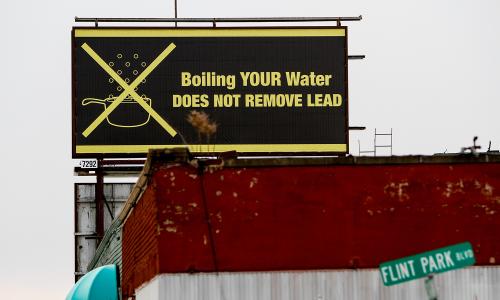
pixel 76 155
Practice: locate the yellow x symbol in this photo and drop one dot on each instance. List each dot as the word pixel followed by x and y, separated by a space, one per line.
pixel 128 89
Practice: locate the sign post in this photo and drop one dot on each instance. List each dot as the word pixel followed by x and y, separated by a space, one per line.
pixel 427 263
pixel 430 288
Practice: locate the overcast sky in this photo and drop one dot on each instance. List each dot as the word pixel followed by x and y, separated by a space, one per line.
pixel 431 73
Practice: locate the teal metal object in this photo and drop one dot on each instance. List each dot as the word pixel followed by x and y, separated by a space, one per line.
pixel 98 284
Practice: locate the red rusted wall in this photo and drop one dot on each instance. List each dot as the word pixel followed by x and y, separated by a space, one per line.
pixel 282 218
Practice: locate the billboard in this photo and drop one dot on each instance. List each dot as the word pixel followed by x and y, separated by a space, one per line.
pixel 253 90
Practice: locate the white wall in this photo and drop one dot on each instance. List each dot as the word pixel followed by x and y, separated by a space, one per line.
pixel 475 283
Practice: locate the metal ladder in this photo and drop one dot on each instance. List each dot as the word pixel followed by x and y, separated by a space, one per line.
pixel 375 145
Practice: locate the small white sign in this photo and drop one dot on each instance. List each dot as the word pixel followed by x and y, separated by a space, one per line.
pixel 88 163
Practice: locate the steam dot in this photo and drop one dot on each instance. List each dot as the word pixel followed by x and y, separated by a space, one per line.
pixel 111 63
pixel 144 81
pixel 119 55
pixel 110 96
pixel 135 72
pixel 119 72
pixel 136 89
pixel 143 64
pixel 119 88
pixel 111 80
pixel 136 56
pixel 143 95
pixel 127 64
pixel 127 80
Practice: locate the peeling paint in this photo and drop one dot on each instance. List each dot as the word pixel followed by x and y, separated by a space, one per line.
pixel 487 190
pixel 397 189
pixel 193 176
pixel 368 200
pixel 477 185
pixel 453 188
pixel 235 195
pixel 172 165
pixel 253 182
pixel 218 193
pixel 168 222
pixel 193 204
pixel 171 228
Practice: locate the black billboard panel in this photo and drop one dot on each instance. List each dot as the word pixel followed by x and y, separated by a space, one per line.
pixel 253 90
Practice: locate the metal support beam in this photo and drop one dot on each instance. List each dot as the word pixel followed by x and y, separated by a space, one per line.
pixel 356 56
pixel 357 127
pixel 99 200
pixel 218 20
pixel 175 8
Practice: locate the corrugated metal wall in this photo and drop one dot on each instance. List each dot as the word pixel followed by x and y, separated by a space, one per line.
pixel 110 249
pixel 475 283
pixel 85 244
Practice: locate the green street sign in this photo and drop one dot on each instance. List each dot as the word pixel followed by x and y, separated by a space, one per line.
pixel 420 265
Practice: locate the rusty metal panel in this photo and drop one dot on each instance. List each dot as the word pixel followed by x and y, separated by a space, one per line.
pixel 476 283
pixel 86 243
pixel 295 218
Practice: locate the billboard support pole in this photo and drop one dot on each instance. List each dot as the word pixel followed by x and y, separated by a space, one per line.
pixel 175 11
pixel 99 201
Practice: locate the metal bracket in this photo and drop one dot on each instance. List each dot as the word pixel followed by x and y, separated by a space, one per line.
pixel 356 56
